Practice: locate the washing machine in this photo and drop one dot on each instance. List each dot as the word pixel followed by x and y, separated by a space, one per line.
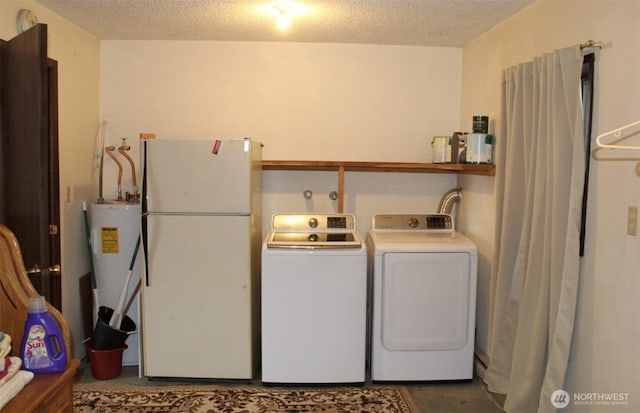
pixel 314 300
pixel 423 298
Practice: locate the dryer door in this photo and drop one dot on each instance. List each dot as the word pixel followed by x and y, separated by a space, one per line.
pixel 425 301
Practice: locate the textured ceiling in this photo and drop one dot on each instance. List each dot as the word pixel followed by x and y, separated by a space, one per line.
pixel 446 23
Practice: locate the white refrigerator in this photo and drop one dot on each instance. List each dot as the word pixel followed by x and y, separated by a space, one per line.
pixel 201 239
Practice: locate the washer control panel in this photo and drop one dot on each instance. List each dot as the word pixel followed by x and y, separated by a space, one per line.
pixel 313 231
pixel 313 222
pixel 410 222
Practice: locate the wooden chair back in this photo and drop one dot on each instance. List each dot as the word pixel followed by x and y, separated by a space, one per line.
pixel 15 290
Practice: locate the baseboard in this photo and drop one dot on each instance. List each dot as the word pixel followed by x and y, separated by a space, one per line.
pixel 480 362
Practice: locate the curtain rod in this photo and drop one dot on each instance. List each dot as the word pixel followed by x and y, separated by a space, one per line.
pixel 590 44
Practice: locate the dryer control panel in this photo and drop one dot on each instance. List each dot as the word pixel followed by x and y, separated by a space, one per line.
pixel 408 222
pixel 439 221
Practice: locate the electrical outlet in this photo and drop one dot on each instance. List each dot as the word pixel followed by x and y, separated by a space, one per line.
pixel 632 220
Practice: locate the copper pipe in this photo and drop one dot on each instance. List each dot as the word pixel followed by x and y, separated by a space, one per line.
pixel 123 150
pixel 109 150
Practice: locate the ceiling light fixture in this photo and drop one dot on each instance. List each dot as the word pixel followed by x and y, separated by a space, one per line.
pixel 284 11
pixel 283 20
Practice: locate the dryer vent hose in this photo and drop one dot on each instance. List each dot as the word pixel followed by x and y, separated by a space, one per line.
pixel 448 200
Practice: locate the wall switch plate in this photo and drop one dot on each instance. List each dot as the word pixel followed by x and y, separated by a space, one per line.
pixel 632 220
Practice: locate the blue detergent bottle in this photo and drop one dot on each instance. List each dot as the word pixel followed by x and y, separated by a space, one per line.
pixel 42 349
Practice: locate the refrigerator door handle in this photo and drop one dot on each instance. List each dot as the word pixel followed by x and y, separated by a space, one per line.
pixel 143 215
pixel 145 250
pixel 143 201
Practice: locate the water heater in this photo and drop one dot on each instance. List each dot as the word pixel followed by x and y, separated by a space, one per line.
pixel 115 227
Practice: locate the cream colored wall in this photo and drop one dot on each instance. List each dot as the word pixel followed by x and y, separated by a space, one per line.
pixel 77 54
pixel 303 101
pixel 353 96
pixel 607 333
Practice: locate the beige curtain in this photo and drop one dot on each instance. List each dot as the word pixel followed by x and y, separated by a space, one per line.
pixel 539 180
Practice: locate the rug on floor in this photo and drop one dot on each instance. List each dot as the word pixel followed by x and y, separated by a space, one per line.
pixel 105 398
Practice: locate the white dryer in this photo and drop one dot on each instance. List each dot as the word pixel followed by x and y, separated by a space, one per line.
pixel 422 309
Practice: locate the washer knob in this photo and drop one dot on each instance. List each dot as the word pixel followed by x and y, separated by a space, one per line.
pixel 412 222
pixel 313 223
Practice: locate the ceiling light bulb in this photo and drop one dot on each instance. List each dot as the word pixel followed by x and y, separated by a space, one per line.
pixel 283 21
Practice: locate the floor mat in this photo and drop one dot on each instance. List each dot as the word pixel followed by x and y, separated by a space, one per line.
pixel 103 398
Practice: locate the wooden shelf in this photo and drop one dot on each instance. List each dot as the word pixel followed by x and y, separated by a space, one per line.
pixel 469 169
pixel 342 167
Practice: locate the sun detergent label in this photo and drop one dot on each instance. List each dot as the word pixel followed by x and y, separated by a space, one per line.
pixel 36 354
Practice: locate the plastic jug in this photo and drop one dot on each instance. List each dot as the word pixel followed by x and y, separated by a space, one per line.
pixel 42 349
